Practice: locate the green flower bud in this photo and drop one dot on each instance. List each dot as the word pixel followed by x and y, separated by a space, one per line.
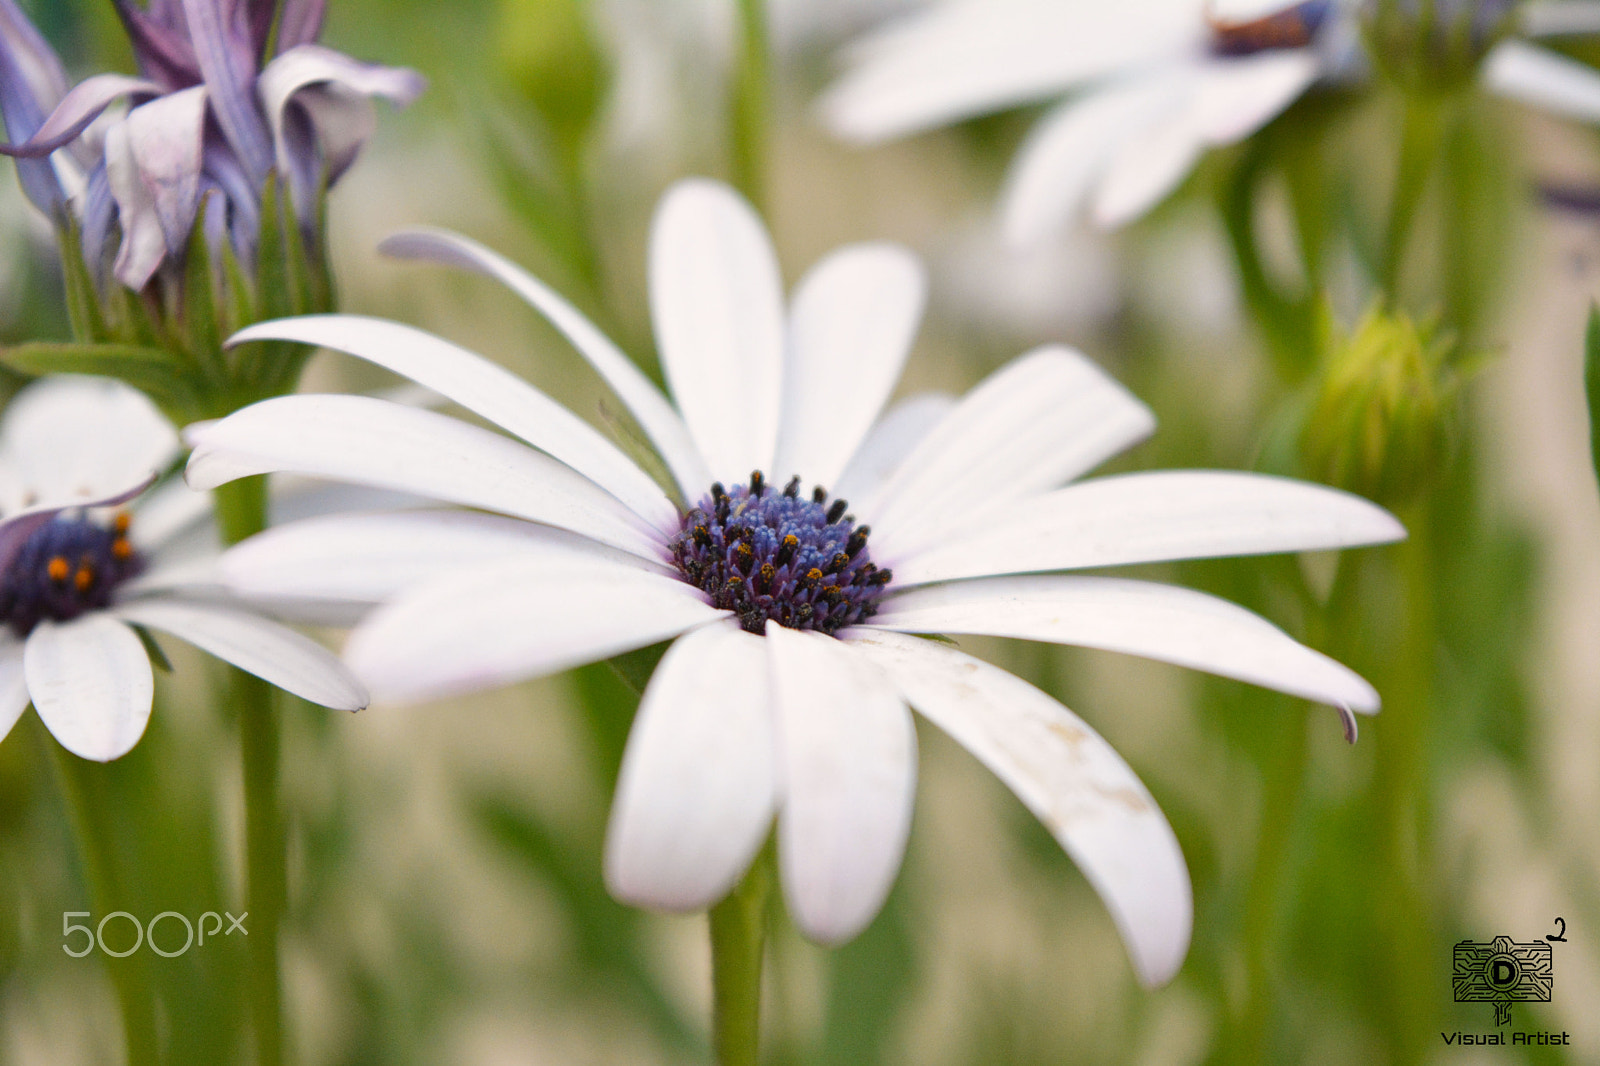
pixel 1379 423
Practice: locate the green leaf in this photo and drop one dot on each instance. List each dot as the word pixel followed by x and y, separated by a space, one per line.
pixel 1591 382
pixel 156 373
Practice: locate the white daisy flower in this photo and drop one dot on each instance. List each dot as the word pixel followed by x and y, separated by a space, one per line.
pixel 76 575
pixel 1153 85
pixel 786 692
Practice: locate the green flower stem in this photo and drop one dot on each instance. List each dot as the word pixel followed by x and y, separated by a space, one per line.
pixel 129 978
pixel 1283 789
pixel 241 508
pixel 751 105
pixel 1285 323
pixel 1404 792
pixel 1420 138
pixel 738 938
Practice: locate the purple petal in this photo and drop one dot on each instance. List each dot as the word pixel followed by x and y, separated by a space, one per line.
pixel 316 102
pixel 223 169
pixel 31 83
pixel 300 23
pixel 220 33
pixel 99 208
pixel 77 109
pixel 160 38
pixel 260 14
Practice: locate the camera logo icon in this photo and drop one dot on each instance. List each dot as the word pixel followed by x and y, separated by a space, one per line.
pixel 1503 972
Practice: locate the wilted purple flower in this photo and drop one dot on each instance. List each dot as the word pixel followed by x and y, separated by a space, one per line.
pixel 231 91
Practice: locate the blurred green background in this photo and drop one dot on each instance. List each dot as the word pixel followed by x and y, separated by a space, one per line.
pixel 446 903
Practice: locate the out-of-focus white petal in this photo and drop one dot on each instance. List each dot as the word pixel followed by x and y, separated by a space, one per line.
pixel 153 164
pixel 1152 517
pixel 1054 172
pixel 1146 166
pixel 889 442
pixel 644 401
pixel 367 441
pixel 717 303
pixel 513 620
pixel 698 784
pixel 167 511
pixel 1039 421
pixel 1544 79
pixel 848 758
pixel 292 662
pixel 90 681
pixel 1174 625
pixel 486 389
pixel 1550 18
pixel 853 319
pixel 975 56
pixel 369 558
pixel 1083 792
pixel 73 440
pixel 13 683
pixel 1238 96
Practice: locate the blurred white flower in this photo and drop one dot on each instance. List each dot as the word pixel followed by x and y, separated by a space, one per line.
pixel 74 578
pixel 805 720
pixel 1153 84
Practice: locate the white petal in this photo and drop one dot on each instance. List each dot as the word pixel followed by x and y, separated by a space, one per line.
pixel 1068 776
pixel 72 439
pixel 1056 168
pixel 169 511
pixel 1041 420
pixel 1544 79
pixel 1542 18
pixel 334 91
pixel 643 400
pixel 1153 517
pixel 1148 165
pixel 698 785
pixel 292 662
pixel 972 57
pixel 854 317
pixel 370 442
pixel 888 443
pixel 13 683
pixel 849 766
pixel 369 558
pixel 90 682
pixel 1174 625
pixel 1222 100
pixel 153 165
pixel 513 620
pixel 485 389
pixel 717 303
pixel 1238 96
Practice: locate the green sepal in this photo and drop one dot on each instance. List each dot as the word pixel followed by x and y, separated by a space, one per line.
pixel 158 374
pixel 202 335
pixel 1591 382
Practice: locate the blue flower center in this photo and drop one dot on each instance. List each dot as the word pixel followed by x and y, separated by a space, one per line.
pixel 1292 27
pixel 801 562
pixel 66 567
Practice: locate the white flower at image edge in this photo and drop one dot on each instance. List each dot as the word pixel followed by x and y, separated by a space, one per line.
pixel 585 557
pixel 75 580
pixel 1145 86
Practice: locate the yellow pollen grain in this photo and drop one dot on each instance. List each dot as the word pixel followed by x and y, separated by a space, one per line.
pixel 83 578
pixel 57 568
pixel 121 548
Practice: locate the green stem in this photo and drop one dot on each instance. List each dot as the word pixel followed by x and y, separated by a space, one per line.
pixel 750 105
pixel 1420 138
pixel 1285 323
pixel 738 935
pixel 1404 792
pixel 79 782
pixel 241 508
